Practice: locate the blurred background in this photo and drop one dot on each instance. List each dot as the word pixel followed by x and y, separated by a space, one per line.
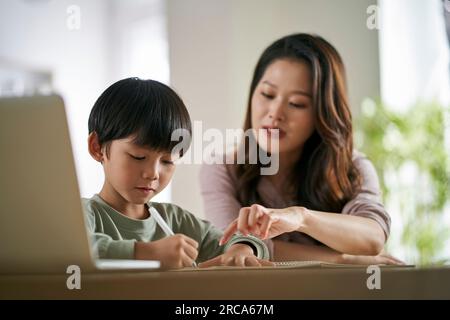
pixel 396 53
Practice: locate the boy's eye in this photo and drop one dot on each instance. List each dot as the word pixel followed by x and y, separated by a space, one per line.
pixel 266 95
pixel 136 157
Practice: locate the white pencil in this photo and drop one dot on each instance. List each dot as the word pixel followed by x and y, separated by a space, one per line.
pixel 163 224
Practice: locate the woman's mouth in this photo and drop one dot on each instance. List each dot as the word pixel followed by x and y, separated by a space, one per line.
pixel 274 132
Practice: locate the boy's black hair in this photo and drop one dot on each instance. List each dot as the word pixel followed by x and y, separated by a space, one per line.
pixel 147 109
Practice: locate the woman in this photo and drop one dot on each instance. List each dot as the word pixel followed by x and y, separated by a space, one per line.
pixel 324 201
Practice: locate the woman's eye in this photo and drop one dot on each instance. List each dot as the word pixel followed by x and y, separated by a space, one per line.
pixel 298 105
pixel 266 95
pixel 167 162
pixel 136 157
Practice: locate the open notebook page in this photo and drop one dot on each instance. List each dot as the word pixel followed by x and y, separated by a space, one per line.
pixel 292 265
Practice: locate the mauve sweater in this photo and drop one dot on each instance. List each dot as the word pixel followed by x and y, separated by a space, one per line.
pixel 218 184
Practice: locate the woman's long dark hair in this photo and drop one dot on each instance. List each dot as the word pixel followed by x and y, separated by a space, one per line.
pixel 325 176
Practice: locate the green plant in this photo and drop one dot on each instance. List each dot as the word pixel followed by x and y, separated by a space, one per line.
pixel 408 150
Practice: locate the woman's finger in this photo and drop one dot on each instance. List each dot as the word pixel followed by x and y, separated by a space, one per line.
pixel 398 261
pixel 395 261
pixel 228 233
pixel 253 218
pixel 392 259
pixel 266 223
pixel 242 221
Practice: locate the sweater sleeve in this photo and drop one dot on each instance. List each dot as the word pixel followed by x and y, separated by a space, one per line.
pixel 367 203
pixel 219 194
pixel 207 235
pixel 103 245
pixel 220 197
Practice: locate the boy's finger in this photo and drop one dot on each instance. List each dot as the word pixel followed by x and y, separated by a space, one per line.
pixel 211 262
pixel 181 236
pixel 252 262
pixel 191 252
pixel 191 241
pixel 238 261
pixel 187 260
pixel 229 231
pixel 266 263
pixel 230 261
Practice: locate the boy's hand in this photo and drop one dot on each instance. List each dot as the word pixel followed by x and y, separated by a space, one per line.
pixel 240 255
pixel 264 222
pixel 177 251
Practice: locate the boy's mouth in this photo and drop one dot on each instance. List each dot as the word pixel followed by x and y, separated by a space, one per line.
pixel 146 190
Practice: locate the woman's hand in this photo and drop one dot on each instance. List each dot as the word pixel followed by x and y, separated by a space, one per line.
pixel 382 258
pixel 240 255
pixel 264 222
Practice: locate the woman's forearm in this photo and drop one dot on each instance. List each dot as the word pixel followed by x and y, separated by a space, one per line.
pixel 343 233
pixel 288 251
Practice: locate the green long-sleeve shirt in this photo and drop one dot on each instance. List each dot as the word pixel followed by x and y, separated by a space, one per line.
pixel 114 234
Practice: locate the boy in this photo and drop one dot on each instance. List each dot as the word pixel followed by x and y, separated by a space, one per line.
pixel 130 130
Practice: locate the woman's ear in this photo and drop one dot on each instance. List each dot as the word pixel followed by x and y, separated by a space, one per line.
pixel 94 147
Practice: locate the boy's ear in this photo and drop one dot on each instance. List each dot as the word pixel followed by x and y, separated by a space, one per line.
pixel 94 147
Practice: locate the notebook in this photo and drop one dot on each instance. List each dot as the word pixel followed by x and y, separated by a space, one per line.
pixel 323 264
pixel 293 265
pixel 42 226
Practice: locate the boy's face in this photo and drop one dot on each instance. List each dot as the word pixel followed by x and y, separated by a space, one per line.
pixel 135 173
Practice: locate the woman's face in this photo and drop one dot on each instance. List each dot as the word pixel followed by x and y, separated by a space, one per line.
pixel 283 100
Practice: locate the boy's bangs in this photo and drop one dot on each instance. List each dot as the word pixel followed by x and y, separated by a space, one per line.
pixel 164 135
pixel 146 109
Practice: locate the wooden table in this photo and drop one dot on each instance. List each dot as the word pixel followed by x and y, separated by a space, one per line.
pixel 308 283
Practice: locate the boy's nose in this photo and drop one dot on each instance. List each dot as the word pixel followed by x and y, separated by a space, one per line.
pixel 151 172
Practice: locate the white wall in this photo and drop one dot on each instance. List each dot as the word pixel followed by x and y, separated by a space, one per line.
pixel 35 33
pixel 405 43
pixel 138 46
pixel 116 39
pixel 214 46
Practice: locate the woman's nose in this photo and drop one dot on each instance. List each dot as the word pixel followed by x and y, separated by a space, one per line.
pixel 276 112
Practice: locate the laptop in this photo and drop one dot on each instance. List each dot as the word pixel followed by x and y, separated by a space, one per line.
pixel 42 225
